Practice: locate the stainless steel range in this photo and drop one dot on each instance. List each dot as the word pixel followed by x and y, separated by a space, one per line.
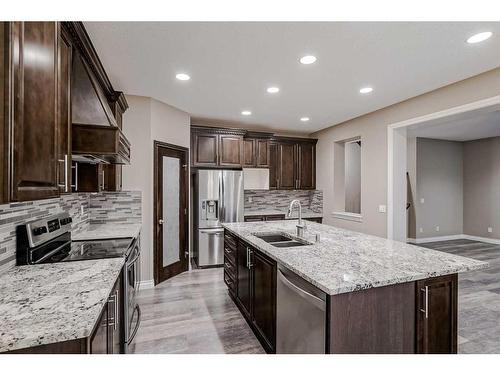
pixel 49 241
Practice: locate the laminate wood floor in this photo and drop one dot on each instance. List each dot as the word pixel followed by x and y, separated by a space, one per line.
pixel 479 296
pixel 192 313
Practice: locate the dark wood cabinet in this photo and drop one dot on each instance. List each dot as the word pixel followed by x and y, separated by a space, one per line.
pixel 93 178
pixel 436 313
pixel 306 166
pixel 249 153
pixel 264 298
pixel 41 61
pixel 273 166
pixel 34 120
pixel 111 177
pixel 205 149
pixel 255 153
pixel 255 280
pixel 243 282
pixel 286 166
pixel 99 338
pixel 230 150
pixel 64 58
pixel 292 164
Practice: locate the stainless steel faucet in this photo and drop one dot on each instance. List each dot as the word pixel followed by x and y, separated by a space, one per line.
pixel 301 226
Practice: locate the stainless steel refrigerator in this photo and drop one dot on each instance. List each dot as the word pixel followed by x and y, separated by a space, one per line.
pixel 218 198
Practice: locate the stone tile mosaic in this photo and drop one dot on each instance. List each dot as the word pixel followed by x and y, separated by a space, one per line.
pixel 263 200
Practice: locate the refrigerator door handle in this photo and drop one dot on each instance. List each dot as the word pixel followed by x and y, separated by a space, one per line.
pixel 222 210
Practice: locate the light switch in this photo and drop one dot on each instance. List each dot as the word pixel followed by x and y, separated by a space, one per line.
pixel 421 230
pixel 437 228
pixel 382 208
pixel 422 200
pixel 490 230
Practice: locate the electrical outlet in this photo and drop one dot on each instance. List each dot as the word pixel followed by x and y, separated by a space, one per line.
pixel 422 200
pixel 82 209
pixel 490 230
pixel 382 208
pixel 421 230
pixel 437 228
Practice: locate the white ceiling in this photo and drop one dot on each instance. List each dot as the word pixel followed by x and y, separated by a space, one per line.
pixel 467 128
pixel 232 64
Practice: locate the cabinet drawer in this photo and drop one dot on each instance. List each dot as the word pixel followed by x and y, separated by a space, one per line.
pixel 229 282
pixel 275 217
pixel 254 218
pixel 230 241
pixel 230 268
pixel 230 254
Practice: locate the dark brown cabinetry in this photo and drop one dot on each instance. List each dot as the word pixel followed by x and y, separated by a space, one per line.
pixel 255 152
pixel 252 218
pixel 108 335
pixel 292 164
pixel 230 150
pixel 255 290
pixel 264 298
pixel 215 147
pixel 34 121
pixel 40 64
pixel 243 283
pixel 437 315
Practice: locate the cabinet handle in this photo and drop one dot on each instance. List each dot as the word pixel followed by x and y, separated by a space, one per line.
pixel 103 187
pixel 117 298
pixel 65 161
pixel 248 258
pixel 425 310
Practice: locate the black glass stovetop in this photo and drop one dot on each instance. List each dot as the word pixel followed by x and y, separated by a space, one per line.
pixel 98 249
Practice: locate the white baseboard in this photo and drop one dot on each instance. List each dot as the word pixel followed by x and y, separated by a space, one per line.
pixel 453 237
pixel 146 284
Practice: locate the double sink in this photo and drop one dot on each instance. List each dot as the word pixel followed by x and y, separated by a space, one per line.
pixel 281 240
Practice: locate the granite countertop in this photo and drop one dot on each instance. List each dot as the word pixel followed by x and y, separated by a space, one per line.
pixel 48 303
pixel 345 261
pixel 108 230
pixel 305 213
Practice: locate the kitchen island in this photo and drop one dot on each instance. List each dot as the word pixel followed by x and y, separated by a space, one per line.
pixel 382 296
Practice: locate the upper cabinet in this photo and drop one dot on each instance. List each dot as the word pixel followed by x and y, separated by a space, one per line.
pixel 293 164
pixel 291 161
pixel 33 90
pixel 44 67
pixel 214 147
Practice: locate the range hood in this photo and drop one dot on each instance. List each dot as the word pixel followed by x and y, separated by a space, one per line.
pixel 96 137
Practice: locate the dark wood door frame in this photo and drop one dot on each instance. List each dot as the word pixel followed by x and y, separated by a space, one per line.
pixel 183 224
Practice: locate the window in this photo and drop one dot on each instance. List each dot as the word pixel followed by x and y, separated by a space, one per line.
pixel 347 179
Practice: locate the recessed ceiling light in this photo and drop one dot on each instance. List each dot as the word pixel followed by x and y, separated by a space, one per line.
pixel 366 90
pixel 304 119
pixel 246 113
pixel 309 59
pixel 273 90
pixel 182 77
pixel 476 38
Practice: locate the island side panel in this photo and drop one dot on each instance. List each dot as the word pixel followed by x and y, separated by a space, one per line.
pixel 377 320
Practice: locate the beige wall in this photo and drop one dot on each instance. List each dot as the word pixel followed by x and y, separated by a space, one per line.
pixel 373 130
pixel 440 184
pixel 482 187
pixel 145 121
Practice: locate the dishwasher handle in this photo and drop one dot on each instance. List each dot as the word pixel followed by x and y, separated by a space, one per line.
pixel 316 301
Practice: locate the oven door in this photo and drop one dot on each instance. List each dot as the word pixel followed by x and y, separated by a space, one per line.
pixel 132 277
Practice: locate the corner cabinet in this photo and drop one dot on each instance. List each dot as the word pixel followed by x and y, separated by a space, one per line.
pixel 255 290
pixel 292 164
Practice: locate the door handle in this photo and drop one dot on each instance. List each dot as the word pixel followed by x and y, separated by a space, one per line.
pixel 160 221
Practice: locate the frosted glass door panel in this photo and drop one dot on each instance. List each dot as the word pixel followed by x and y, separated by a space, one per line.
pixel 171 170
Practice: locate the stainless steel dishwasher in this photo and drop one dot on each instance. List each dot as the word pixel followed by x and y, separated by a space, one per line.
pixel 300 315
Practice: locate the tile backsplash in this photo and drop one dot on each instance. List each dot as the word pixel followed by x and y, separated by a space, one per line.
pixel 84 208
pixel 262 200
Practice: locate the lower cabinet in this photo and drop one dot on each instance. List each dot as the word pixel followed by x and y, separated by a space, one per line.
pixel 437 314
pixel 256 292
pixel 108 335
